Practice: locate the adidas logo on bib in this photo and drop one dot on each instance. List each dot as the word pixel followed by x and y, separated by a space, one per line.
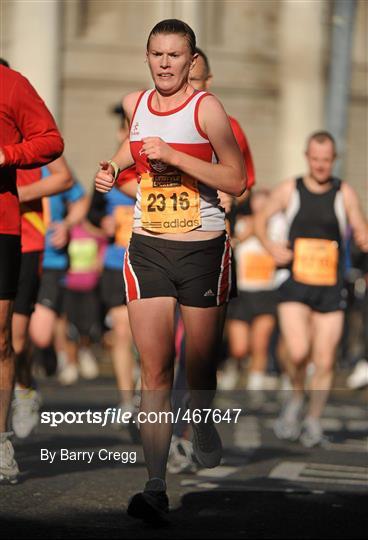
pixel 209 293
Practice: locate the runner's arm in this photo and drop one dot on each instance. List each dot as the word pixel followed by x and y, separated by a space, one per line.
pixel 104 180
pixel 129 188
pixel 59 180
pixel 97 209
pixel 127 182
pixel 277 202
pixel 355 216
pixel 77 211
pixel 98 216
pixel 242 141
pixel 244 228
pixel 248 161
pixel 42 142
pixel 228 175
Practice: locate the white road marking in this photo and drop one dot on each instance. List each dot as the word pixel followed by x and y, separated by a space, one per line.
pixel 332 424
pixel 346 411
pixel 186 483
pixel 218 472
pixel 357 425
pixel 320 472
pixel 348 445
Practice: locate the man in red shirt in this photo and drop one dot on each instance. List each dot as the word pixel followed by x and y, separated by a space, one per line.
pixel 29 138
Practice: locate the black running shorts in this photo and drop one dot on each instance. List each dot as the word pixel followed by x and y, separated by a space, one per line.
pixel 323 299
pixel 10 260
pixel 112 288
pixel 51 292
pixel 29 282
pixel 198 274
pixel 251 304
pixel 82 310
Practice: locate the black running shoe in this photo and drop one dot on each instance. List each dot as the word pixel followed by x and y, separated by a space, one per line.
pixel 207 446
pixel 151 505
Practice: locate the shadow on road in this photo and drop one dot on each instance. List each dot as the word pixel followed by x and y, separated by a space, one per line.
pixel 217 514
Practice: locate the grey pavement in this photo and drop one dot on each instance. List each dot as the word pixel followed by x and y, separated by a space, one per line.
pixel 264 488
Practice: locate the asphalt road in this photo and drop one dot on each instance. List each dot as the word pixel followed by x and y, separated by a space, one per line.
pixel 264 488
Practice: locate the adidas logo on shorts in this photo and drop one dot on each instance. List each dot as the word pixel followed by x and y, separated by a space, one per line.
pixel 209 293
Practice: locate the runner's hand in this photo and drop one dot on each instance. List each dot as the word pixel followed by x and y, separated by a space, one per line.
pixel 281 253
pixel 361 239
pixel 104 180
pixel 156 148
pixel 60 235
pixel 226 201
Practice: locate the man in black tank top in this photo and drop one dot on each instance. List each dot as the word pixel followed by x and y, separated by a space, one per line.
pixel 318 208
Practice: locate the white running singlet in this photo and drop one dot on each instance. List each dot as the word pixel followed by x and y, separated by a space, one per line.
pixel 168 200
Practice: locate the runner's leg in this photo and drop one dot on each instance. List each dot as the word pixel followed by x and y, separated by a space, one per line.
pixel 326 330
pixel 20 324
pixel 122 354
pixel 238 338
pixel 295 326
pixel 7 360
pixel 42 326
pixel 152 321
pixel 260 335
pixel 203 334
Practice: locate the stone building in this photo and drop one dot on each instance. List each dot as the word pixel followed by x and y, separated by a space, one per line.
pixel 270 60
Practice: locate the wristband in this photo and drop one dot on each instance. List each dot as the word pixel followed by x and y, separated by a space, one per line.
pixel 115 167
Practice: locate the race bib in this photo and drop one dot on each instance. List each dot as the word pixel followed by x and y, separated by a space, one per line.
pixel 124 223
pixel 315 261
pixel 256 267
pixel 83 254
pixel 169 203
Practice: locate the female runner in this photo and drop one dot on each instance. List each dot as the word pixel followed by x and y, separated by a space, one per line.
pixel 184 150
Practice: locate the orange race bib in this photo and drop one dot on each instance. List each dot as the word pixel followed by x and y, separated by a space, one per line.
pixel 124 223
pixel 315 261
pixel 169 203
pixel 255 266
